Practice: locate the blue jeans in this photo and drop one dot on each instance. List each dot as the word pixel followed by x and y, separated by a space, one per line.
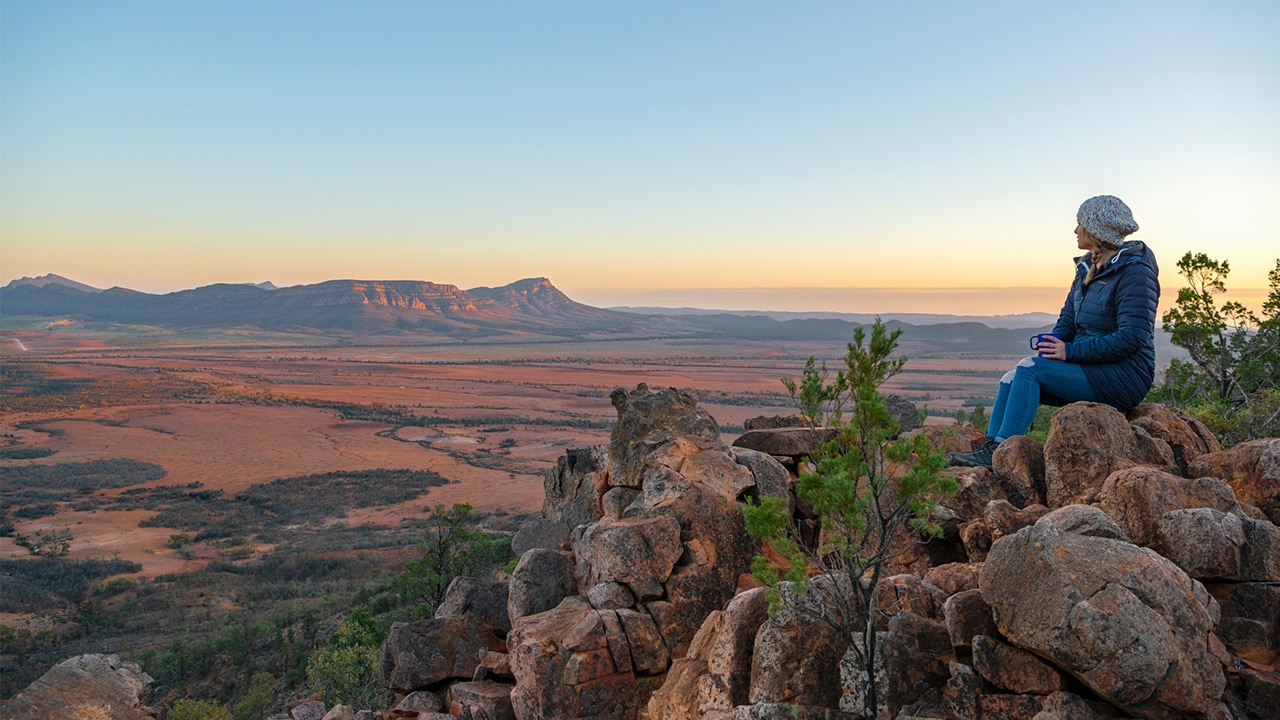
pixel 1034 382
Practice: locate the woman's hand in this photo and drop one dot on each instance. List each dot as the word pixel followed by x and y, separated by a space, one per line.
pixel 1052 347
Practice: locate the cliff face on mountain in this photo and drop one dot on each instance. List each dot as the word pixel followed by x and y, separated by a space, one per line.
pixel 356 306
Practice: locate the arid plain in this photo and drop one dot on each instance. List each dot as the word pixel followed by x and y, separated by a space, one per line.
pixel 230 410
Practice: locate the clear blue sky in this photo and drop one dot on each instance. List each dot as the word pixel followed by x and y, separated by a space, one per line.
pixel 631 151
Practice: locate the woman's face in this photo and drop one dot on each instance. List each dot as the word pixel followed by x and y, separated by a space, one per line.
pixel 1083 240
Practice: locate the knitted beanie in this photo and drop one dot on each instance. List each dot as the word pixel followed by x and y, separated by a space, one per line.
pixel 1107 219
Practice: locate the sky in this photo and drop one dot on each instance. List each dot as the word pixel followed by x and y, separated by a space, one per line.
pixel 923 156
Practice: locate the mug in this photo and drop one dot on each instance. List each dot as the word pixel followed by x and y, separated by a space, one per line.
pixel 1042 337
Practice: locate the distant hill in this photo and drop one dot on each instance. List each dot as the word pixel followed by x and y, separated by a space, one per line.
pixel 1029 320
pixel 52 279
pixel 338 306
pixel 352 309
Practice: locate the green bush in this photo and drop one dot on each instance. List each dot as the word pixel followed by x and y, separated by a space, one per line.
pixel 1231 379
pixel 188 709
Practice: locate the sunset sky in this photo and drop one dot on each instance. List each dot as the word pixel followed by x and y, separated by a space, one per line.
pixel 819 156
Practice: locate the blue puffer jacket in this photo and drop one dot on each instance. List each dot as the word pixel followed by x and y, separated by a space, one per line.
pixel 1109 325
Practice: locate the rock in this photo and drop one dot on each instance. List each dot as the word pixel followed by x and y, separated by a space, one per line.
pixel 610 596
pixel 572 490
pixel 904 411
pixel 953 577
pixel 481 700
pixel 976 488
pixel 730 651
pixel 1250 620
pixel 1136 498
pixel 1187 437
pixel 966 616
pixel 615 502
pixel 1251 468
pixel 1014 669
pixel 1120 618
pixel 649 654
pixel 563 666
pixel 949 438
pixel 1089 441
pixel 1005 519
pixel 484 600
pixel 341 712
pixel 638 552
pixel 715 675
pixel 787 711
pixel 539 582
pixel 540 533
pixel 797 662
pixel 770 422
pixel 717 469
pixel 417 702
pixel 85 686
pixel 791 442
pixel 1019 463
pixel 417 654
pixel 907 592
pixel 770 477
pixel 930 636
pixel 308 710
pixel 1081 520
pixel 1063 705
pixel 1211 544
pixel 905 676
pixel 649 418
pixel 960 696
pixel 493 664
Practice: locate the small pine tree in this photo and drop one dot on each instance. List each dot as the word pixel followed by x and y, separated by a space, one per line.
pixel 866 513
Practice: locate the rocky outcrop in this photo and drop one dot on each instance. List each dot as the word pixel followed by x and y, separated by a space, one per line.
pixel 1089 441
pixel 632 600
pixel 86 686
pixel 1252 469
pixel 1122 619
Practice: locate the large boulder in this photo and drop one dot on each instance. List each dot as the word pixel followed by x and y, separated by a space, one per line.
pixel 572 490
pixel 715 674
pixel 417 654
pixel 570 662
pixel 1136 498
pixel 86 686
pixel 1250 620
pixel 1251 468
pixel 1089 441
pixel 796 660
pixel 484 600
pixel 541 533
pixel 539 582
pixel 1187 437
pixel 649 418
pixel 1211 544
pixel 638 552
pixel 1121 618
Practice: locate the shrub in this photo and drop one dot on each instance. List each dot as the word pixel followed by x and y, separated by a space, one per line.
pixel 867 515
pixel 1231 380
pixel 188 709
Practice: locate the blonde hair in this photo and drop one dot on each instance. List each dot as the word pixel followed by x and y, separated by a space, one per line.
pixel 1093 254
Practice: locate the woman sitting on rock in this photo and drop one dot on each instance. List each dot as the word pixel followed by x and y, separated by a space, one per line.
pixel 1103 346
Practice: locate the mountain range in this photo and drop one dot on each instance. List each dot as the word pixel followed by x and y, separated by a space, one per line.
pixel 533 306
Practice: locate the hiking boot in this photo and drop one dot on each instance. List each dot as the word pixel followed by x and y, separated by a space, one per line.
pixel 978 458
